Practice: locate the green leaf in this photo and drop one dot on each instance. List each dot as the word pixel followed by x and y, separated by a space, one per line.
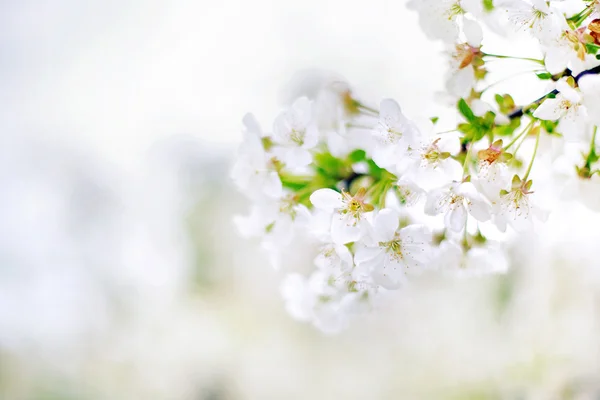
pixel 592 48
pixel 488 5
pixel 465 110
pixel 544 75
pixel 549 126
pixel 357 156
pixel 330 165
pixel 499 99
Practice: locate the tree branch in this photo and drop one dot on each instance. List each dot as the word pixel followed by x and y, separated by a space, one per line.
pixel 521 110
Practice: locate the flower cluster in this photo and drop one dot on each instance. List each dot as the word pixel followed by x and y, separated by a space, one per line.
pixel 379 197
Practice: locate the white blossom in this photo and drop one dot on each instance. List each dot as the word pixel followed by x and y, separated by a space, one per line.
pixel 254 171
pixel 484 259
pixel 515 207
pixel 295 131
pixel 590 90
pixel 396 251
pixel 442 19
pixel 543 22
pixel 493 172
pixel 566 106
pixel 394 134
pixel 408 192
pixel 430 163
pixel 349 221
pixel 275 220
pixel 456 201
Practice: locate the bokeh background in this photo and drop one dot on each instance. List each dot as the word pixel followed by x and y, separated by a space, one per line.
pixel 122 276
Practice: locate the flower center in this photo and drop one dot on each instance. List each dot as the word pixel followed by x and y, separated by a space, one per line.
pixel 288 206
pixel 432 154
pixel 566 104
pixel 454 10
pixel 355 205
pixel 394 248
pixel 297 136
pixel 489 156
pixel 394 135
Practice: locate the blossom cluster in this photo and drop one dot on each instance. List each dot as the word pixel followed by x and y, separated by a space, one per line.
pixel 379 197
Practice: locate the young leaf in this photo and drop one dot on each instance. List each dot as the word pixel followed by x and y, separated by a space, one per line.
pixel 465 110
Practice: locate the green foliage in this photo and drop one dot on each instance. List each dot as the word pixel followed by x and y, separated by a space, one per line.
pixel 544 75
pixel 505 102
pixel 592 48
pixel 488 5
pixel 478 127
pixel 357 156
pixel 328 165
pixel 465 110
pixel 549 126
pixel 507 130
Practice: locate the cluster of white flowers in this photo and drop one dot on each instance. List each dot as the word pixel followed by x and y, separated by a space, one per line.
pixel 380 197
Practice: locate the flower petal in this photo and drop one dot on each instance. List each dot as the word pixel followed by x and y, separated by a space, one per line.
pixel 456 219
pixel 549 110
pixel 345 230
pixel 326 199
pixel 385 224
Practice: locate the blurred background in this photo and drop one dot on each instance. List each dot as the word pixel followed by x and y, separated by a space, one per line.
pixel 122 276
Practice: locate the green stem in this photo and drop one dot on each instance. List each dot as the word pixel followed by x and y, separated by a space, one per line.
pixel 578 18
pixel 592 156
pixel 367 108
pixel 466 163
pixel 491 85
pixel 449 131
pixel 357 126
pixel 527 128
pixel 466 236
pixel 535 60
pixel 537 142
pixel 593 143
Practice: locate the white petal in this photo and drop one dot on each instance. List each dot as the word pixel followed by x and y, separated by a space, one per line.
pixel 364 254
pixel 556 60
pixel 326 199
pixel 590 87
pixel 460 82
pixel 296 157
pixel 388 277
pixel 281 128
pixel 252 125
pixel 456 219
pixel 466 189
pixel 311 137
pixel 272 185
pixel 344 230
pixel 389 108
pixel 344 254
pixel 452 169
pixel 434 204
pixel 573 124
pixel 473 32
pixel 385 224
pixel 549 110
pixel 479 209
pixel 302 109
pixel 416 235
pixel 567 91
pixel 385 155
